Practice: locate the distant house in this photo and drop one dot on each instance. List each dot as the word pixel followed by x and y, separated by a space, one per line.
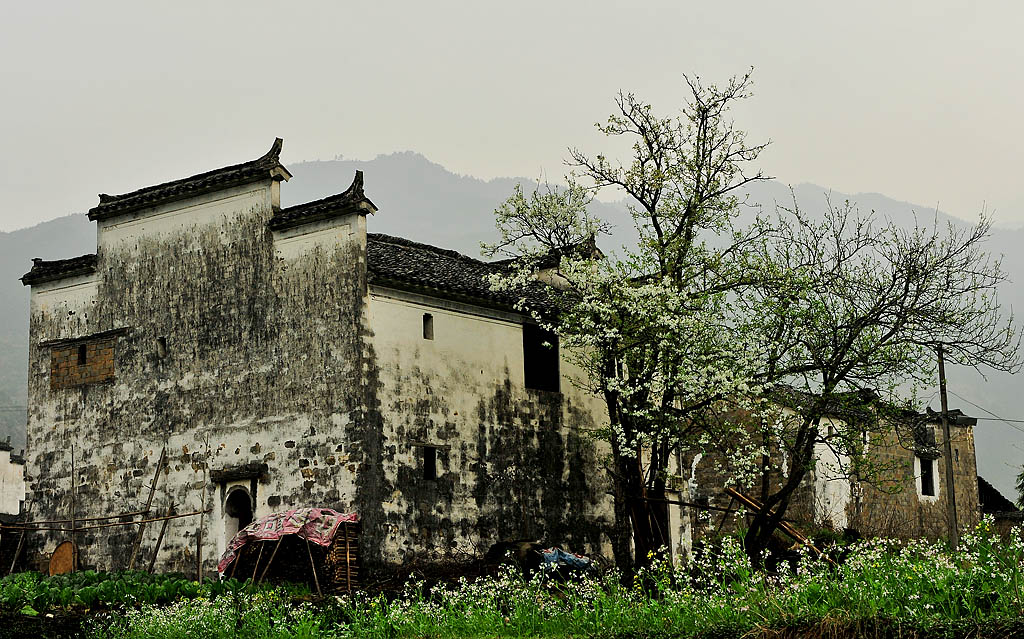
pixel 286 357
pixel 12 479
pixel 911 501
pixel 1004 512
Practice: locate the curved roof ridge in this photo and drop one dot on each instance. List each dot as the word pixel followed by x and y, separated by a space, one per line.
pixel 263 166
pixel 47 270
pixel 351 198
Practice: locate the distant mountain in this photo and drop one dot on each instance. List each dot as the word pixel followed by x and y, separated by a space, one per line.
pixel 421 200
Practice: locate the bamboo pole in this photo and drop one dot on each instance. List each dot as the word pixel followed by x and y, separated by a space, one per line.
pixel 199 551
pixel 348 559
pixel 312 565
pixel 21 542
pixel 271 560
pixel 234 564
pixel 110 525
pixel 202 505
pixel 160 538
pixel 677 502
pixel 74 546
pixel 149 502
pixel 258 557
pixel 65 521
pixel 785 527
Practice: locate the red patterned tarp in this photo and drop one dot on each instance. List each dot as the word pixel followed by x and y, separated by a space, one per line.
pixel 318 525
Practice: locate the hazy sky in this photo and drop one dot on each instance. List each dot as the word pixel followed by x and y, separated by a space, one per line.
pixel 921 101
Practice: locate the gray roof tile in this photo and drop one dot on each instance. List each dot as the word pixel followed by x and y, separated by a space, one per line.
pixel 264 167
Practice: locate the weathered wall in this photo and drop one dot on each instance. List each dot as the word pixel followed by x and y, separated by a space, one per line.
pixel 512 463
pixel 262 364
pixel 240 347
pixel 906 513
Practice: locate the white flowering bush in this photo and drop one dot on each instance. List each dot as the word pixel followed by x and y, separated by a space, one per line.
pixel 917 587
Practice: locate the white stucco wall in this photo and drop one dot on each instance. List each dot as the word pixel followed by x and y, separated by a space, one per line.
pixel 66 304
pixel 183 217
pixel 12 484
pixel 440 390
pixel 832 488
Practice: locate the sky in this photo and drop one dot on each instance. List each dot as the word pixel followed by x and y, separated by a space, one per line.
pixel 919 101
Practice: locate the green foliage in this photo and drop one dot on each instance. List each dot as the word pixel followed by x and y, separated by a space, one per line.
pixel 1020 488
pixel 31 592
pixel 268 613
pixel 917 587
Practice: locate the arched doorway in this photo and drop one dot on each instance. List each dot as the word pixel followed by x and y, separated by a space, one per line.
pixel 237 512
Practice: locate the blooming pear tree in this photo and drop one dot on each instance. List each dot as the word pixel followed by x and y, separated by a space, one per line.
pixel 649 329
pixel 740 341
pixel 850 310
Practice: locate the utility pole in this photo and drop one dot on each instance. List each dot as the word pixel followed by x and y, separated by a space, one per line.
pixel 947 445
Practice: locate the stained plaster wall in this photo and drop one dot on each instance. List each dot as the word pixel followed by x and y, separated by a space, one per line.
pixel 275 354
pixel 263 364
pixel 512 463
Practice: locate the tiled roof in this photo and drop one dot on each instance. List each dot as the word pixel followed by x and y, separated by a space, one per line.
pixel 991 500
pixel 47 270
pixel 351 200
pixel 394 260
pixel 267 166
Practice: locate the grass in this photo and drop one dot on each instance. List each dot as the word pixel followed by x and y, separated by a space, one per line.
pixel 883 588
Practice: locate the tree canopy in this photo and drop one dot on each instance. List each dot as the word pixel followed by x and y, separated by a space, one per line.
pixel 706 318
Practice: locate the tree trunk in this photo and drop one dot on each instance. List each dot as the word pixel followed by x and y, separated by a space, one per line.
pixel 763 524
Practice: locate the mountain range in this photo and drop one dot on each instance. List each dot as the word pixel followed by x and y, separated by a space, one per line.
pixel 423 201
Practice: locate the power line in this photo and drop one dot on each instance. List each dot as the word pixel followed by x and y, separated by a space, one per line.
pixel 1009 422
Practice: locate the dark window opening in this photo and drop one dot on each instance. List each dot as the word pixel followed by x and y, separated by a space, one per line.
pixel 927 477
pixel 238 506
pixel 81 355
pixel 540 358
pixel 161 347
pixel 428 326
pixel 429 463
pixel 924 436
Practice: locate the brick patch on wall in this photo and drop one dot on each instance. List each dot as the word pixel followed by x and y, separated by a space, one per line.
pixel 85 362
